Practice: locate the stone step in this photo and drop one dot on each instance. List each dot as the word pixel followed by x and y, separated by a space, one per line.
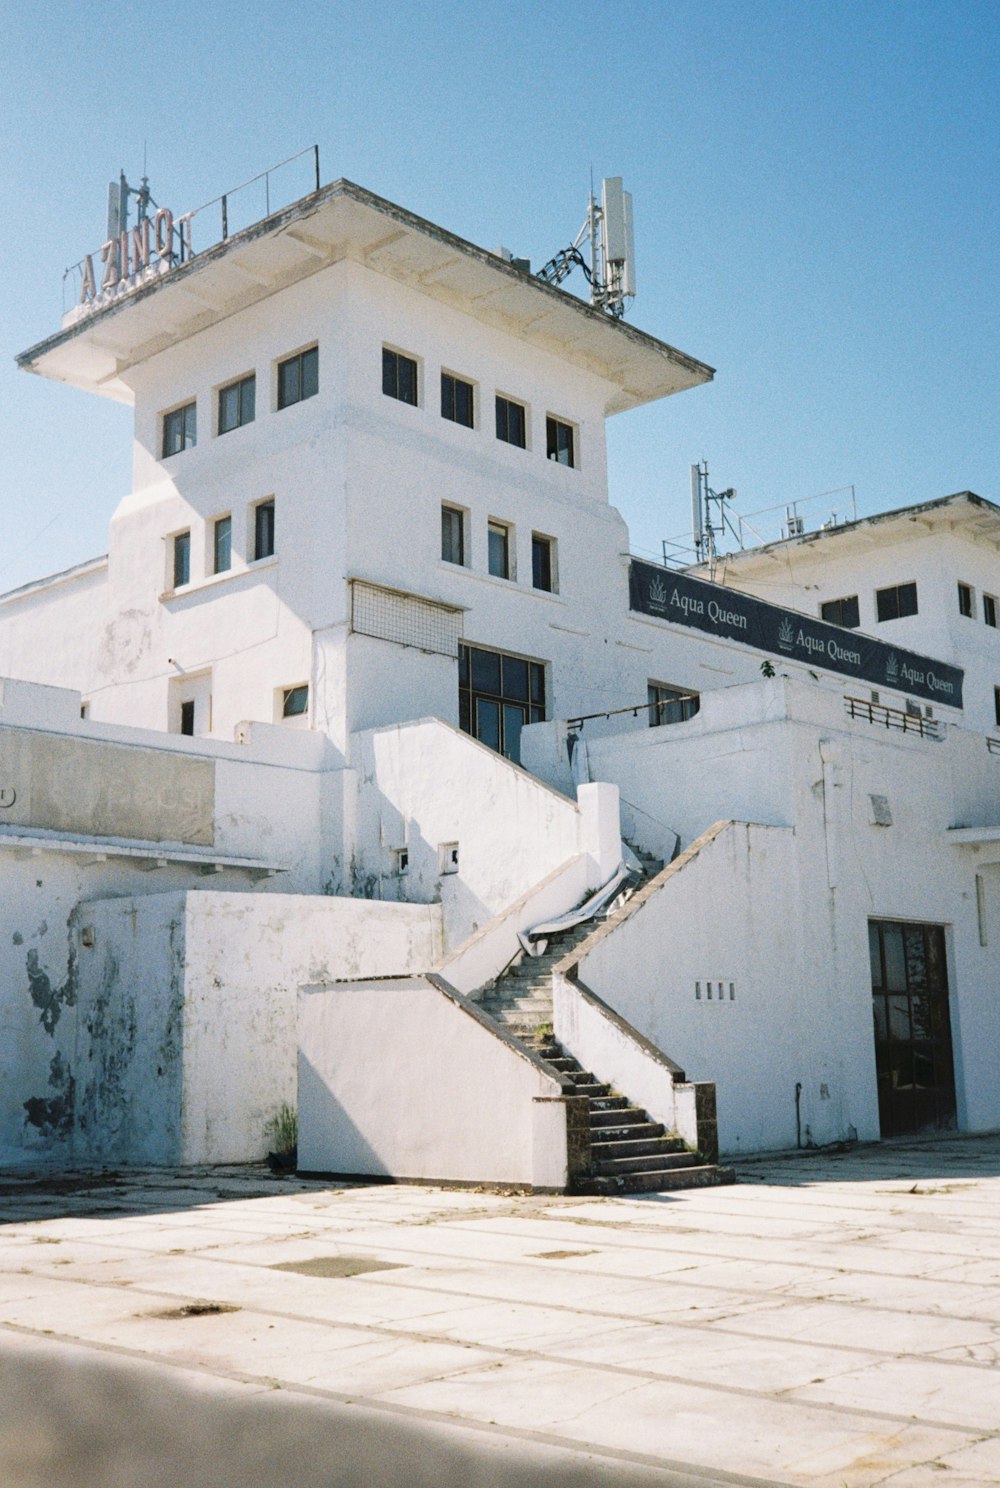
pixel 608 1103
pixel 617 1116
pixel 655 1162
pixel 631 1147
pixel 634 1131
pixel 662 1181
pixel 590 1086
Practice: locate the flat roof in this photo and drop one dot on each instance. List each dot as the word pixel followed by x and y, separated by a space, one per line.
pixel 96 346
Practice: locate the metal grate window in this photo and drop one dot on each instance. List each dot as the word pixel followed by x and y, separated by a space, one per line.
pixel 406 619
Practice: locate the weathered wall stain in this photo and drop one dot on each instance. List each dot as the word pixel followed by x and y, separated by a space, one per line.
pixel 50 999
pixel 53 1115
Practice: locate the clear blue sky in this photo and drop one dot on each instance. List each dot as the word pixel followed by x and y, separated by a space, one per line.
pixel 815 191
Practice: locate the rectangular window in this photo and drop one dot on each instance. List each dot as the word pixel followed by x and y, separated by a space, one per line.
pixel 542 562
pixel 670 704
pixel 399 376
pixel 457 403
pixel 180 430
pixel 298 377
pixel 295 701
pixel 511 422
pixel 263 530
pixel 841 612
pixel 182 559
pixel 966 603
pixel 452 534
pixel 187 717
pixel 559 441
pixel 990 610
pixel 499 550
pixel 498 695
pixel 896 602
pixel 237 404
pixel 996 705
pixel 222 545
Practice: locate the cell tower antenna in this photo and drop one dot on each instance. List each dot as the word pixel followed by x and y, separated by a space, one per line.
pixel 709 518
pixel 608 231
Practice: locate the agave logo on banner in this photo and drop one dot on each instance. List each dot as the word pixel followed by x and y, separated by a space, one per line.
pixel 657 593
pixel 891 669
pixel 786 634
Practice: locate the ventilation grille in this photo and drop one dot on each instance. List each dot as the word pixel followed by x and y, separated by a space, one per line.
pixel 391 616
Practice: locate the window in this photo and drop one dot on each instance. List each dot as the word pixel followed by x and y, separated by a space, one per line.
pixel 499 550
pixel 236 404
pixel 187 716
pixel 841 612
pixel 996 705
pixel 222 544
pixel 263 530
pixel 670 704
pixel 498 695
pixel 399 376
pixel 295 701
pixel 559 441
pixel 298 377
pixel 180 430
pixel 990 610
pixel 456 400
pixel 543 562
pixel 452 534
pixel 511 422
pixel 896 602
pixel 966 602
pixel 182 559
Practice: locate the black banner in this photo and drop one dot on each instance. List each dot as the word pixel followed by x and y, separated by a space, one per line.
pixel 766 627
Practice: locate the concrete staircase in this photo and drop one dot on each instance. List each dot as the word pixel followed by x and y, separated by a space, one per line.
pixel 521 1000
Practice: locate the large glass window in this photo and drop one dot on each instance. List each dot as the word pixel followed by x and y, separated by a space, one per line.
pixel 399 376
pixel 896 602
pixel 457 401
pixel 511 422
pixel 237 404
pixel 298 377
pixel 841 611
pixel 913 1055
pixel 180 429
pixel 498 695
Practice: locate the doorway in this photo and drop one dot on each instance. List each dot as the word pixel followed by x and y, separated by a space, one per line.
pixel 913 1052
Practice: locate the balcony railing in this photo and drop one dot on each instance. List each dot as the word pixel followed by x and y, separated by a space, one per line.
pixel 883 716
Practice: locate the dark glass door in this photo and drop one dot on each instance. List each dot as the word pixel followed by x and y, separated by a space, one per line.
pixel 498 694
pixel 913 1055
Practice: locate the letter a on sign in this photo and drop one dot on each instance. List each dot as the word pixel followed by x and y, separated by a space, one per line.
pixel 88 289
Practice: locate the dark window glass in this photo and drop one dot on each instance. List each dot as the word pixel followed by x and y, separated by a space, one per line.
pixel 559 442
pixel 965 601
pixel 488 722
pixel 182 559
pixel 842 612
pixel 670 704
pixel 456 400
pixel 913 1057
pixel 298 377
pixel 541 562
pixel 486 671
pixel 237 404
pixel 493 696
pixel 537 685
pixel 223 535
pixel 187 717
pixel 990 610
pixel 399 376
pixel 180 429
pixel 452 535
pixel 499 550
pixel 511 422
pixel 295 702
pixel 515 678
pixel 996 705
pixel 896 602
pixel 263 530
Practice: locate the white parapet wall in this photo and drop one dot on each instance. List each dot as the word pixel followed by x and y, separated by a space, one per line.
pixel 405 1078
pixel 186 1012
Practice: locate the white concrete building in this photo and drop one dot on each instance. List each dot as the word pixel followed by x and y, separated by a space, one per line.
pixel 369 519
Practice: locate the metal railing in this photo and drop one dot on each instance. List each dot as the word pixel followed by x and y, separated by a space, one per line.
pixel 892 718
pixel 662 704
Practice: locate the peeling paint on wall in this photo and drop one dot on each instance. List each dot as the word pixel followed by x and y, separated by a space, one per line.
pixel 50 999
pixel 53 1115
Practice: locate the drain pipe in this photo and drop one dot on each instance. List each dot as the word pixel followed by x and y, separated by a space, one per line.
pixel 798 1113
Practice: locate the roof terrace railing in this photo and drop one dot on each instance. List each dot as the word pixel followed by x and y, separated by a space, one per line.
pixel 892 718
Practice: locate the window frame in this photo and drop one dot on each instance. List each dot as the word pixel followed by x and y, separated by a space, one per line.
pixel 449 509
pixel 266 503
pixel 897 590
pixel 225 520
pixel 449 399
pixel 846 599
pixel 496 527
pixel 288 694
pixel 554 428
pixel 296 359
pixel 180 558
pixel 532 704
pixel 540 541
pixel 392 358
pixel 990 604
pixel 503 434
pixel 188 437
pixel 661 696
pixel 239 385
pixel 966 601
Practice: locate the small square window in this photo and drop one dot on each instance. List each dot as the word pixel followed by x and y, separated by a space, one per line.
pixel 499 550
pixel 182 559
pixel 401 861
pixel 559 442
pixel 543 562
pixel 966 601
pixel 452 534
pixel 399 376
pixel 180 430
pixel 237 404
pixel 222 545
pixel 295 701
pixel 990 610
pixel 841 612
pixel 511 422
pixel 298 377
pixel 448 857
pixel 263 530
pixel 457 400
pixel 896 602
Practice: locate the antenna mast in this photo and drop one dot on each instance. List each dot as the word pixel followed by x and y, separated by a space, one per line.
pixel 706 503
pixel 611 271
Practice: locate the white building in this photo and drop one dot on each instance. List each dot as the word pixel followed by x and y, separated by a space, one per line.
pixel 369 518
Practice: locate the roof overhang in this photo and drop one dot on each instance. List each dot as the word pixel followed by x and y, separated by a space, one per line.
pixel 99 343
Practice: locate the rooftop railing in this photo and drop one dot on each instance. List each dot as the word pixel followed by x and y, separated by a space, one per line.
pixel 883 716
